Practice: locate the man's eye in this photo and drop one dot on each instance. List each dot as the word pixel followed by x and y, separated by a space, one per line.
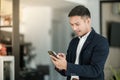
pixel 77 24
pixel 71 24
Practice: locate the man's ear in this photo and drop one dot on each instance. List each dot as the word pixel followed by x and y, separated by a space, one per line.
pixel 88 21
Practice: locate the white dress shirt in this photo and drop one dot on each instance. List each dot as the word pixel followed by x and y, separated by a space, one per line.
pixel 79 47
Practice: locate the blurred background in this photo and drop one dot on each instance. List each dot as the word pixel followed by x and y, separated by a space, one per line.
pixel 29 28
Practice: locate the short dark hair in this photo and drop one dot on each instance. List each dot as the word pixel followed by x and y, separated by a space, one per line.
pixel 80 11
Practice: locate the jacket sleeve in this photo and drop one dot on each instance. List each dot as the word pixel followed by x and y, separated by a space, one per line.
pixel 62 72
pixel 96 66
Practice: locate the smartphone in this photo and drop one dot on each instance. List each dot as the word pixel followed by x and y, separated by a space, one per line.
pixel 53 53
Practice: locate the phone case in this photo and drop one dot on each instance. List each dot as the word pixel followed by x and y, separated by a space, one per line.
pixel 52 53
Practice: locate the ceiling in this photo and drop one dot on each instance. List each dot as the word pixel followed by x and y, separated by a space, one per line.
pixel 57 4
pixel 63 5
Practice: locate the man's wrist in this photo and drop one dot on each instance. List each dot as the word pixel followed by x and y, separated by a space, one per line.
pixel 65 67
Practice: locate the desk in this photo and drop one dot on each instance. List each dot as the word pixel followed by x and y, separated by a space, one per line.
pixel 10 60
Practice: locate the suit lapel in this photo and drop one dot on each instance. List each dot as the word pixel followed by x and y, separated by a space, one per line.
pixel 89 39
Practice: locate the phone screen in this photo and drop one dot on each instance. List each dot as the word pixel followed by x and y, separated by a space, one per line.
pixel 52 53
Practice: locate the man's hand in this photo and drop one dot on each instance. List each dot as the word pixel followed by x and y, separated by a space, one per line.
pixel 60 62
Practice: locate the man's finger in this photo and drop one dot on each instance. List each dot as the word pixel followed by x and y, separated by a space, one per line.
pixel 53 58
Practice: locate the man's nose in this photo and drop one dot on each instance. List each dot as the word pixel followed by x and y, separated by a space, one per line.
pixel 74 28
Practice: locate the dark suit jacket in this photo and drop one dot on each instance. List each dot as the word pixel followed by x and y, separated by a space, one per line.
pixel 91 60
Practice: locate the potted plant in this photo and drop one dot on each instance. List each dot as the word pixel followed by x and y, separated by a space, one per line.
pixel 116 73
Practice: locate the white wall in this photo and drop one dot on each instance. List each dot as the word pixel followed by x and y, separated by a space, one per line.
pixel 36 25
pixel 93 6
pixel 78 1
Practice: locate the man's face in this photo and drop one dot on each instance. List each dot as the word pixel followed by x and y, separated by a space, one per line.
pixel 81 25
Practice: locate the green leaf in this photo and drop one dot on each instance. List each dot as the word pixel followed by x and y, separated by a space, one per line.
pixel 115 73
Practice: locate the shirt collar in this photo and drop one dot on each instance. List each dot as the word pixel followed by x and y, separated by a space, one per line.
pixel 85 36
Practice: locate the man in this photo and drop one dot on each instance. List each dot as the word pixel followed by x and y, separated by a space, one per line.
pixel 87 53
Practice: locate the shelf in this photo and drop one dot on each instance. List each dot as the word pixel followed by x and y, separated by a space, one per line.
pixel 11 71
pixel 6 26
pixel 8 45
